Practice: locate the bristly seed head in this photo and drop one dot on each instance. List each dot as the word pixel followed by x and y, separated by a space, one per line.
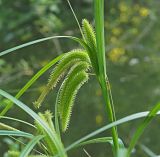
pixel 73 67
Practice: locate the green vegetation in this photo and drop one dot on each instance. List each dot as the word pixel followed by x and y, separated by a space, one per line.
pixel 71 70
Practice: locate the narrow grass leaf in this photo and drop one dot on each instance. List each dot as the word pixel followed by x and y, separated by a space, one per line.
pixel 15 133
pixel 147 151
pixel 31 82
pixel 36 117
pixel 17 120
pixel 74 14
pixel 38 41
pixel 6 127
pixel 22 143
pixel 29 147
pixel 142 127
pixel 109 126
pixel 101 140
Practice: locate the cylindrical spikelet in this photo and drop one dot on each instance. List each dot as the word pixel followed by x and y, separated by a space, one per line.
pixel 67 61
pixel 68 90
pixel 89 34
pixel 90 40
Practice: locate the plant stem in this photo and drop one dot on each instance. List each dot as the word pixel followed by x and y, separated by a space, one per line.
pixel 99 22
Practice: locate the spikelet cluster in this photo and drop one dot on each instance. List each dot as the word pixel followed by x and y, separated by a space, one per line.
pixel 73 68
pixel 67 61
pixel 76 77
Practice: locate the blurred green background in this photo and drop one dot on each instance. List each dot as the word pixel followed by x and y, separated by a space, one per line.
pixel 132 31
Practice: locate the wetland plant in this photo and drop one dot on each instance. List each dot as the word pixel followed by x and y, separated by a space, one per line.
pixel 73 69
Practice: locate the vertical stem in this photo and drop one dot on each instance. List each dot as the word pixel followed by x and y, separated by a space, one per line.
pixel 99 23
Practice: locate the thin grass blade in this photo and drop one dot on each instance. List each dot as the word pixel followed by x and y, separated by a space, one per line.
pixel 15 133
pixel 101 140
pixel 148 151
pixel 6 127
pixel 75 16
pixel 31 81
pixel 17 120
pixel 36 117
pixel 38 41
pixel 29 147
pixel 22 143
pixel 142 127
pixel 109 126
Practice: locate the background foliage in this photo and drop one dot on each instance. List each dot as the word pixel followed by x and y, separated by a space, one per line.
pixel 133 57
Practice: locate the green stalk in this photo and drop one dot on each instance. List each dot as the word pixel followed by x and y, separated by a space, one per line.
pixel 99 23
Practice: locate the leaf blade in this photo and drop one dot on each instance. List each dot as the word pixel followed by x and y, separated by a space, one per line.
pixel 31 81
pixel 18 120
pixel 109 126
pixel 37 41
pixel 101 140
pixel 28 148
pixel 53 137
pixel 15 133
pixel 142 127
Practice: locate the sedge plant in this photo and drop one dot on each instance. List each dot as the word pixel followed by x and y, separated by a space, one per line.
pixel 73 69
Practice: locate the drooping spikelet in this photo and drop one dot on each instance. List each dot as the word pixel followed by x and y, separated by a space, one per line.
pixel 67 61
pixel 68 90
